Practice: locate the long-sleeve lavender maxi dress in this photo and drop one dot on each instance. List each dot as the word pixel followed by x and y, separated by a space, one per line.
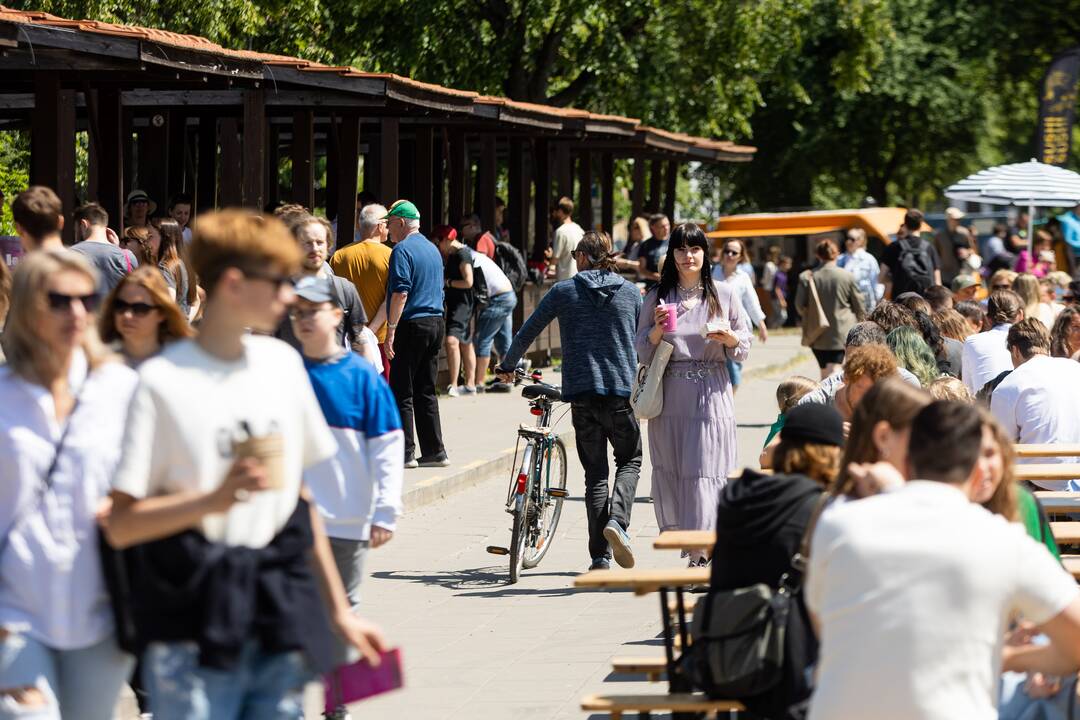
pixel 692 443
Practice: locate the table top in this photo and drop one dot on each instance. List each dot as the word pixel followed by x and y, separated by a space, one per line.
pixel 643 581
pixel 1047 471
pixel 1050 450
pixel 1055 501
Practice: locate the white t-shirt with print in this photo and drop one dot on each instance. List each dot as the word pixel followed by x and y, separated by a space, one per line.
pixel 914 590
pixel 567 237
pixel 189 408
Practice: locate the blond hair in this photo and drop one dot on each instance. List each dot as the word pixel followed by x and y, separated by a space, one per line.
pixel 27 355
pixel 792 390
pixel 950 388
pixel 243 240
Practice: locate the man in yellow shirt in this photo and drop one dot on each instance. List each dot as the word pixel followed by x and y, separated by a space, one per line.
pixel 367 265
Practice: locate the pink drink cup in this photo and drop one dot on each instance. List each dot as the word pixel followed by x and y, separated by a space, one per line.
pixel 672 321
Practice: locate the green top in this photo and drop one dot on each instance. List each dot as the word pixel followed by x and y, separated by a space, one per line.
pixel 1034 519
pixel 775 429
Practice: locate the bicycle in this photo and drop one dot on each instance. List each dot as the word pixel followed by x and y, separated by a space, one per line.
pixel 538 488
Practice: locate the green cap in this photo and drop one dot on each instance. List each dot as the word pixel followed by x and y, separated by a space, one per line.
pixel 403 209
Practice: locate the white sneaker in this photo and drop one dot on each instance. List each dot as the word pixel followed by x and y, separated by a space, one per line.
pixel 453 391
pixel 466 390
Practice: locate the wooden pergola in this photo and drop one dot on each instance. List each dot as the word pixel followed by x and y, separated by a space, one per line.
pixel 170 113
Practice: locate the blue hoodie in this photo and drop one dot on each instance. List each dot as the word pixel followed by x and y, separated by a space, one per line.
pixel 597 312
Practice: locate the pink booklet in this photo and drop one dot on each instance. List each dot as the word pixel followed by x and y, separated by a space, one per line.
pixel 351 683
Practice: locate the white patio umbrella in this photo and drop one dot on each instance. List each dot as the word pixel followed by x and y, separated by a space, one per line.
pixel 1031 184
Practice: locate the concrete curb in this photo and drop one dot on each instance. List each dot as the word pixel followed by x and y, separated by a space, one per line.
pixel 436 488
pixel 775 368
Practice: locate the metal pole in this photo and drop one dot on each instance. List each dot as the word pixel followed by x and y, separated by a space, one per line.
pixel 1031 230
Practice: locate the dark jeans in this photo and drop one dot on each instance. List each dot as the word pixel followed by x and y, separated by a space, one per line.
pixel 412 378
pixel 598 421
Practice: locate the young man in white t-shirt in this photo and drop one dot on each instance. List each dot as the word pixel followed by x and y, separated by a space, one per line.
pixel 913 590
pixel 567 236
pixel 183 482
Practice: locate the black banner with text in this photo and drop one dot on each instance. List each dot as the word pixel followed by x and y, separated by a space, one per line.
pixel 1057 107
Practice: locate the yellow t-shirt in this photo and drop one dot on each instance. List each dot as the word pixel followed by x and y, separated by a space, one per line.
pixel 367 266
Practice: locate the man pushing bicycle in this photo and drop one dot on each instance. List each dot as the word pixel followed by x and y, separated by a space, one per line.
pixel 597 312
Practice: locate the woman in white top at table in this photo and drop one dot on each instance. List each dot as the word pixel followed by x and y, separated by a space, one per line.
pixel 732 255
pixel 62 411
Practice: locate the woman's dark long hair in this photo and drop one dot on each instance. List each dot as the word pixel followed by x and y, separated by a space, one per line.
pixel 688 235
pixel 172 256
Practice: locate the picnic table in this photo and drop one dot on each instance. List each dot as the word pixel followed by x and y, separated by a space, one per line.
pixel 1047 471
pixel 1054 501
pixel 1047 450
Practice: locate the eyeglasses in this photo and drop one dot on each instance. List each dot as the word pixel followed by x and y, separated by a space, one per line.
pixel 138 309
pixel 301 315
pixel 731 253
pixel 281 281
pixel 1001 287
pixel 59 301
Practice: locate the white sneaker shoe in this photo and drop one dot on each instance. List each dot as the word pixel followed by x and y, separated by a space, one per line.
pixel 453 391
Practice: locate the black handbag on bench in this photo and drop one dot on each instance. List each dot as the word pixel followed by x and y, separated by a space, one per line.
pixel 739 635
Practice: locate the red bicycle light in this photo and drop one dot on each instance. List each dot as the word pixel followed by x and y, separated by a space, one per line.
pixel 521 484
pixel 536 411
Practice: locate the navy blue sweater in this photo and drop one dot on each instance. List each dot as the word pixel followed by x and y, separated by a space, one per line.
pixel 597 312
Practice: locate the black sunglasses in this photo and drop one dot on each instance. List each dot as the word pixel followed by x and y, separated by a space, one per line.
pixel 60 301
pixel 732 253
pixel 138 309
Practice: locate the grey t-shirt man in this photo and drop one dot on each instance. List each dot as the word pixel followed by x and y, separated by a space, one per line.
pixel 111 262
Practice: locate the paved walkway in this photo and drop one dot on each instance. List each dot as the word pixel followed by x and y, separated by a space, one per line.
pixel 476 647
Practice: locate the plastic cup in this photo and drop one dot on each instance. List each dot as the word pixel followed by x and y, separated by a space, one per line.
pixel 672 321
pixel 270 451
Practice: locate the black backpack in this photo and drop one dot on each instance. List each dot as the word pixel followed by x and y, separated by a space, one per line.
pixel 510 261
pixel 916 263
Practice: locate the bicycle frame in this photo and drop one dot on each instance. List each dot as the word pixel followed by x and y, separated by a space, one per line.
pixel 531 461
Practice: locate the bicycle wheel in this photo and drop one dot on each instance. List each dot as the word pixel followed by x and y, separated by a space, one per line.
pixel 518 537
pixel 547 510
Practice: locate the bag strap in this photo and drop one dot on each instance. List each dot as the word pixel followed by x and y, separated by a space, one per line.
pixel 802 555
pixel 127 260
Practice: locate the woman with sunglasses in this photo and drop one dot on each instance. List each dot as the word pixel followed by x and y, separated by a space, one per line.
pixel 62 411
pixel 732 256
pixel 141 316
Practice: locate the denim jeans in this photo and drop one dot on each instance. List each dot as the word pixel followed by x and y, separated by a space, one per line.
pixel 599 420
pixel 494 324
pixel 83 683
pixel 262 686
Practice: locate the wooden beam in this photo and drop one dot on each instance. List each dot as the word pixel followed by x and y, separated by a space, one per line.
pixel 152 173
pixel 458 158
pixel 332 144
pixel 255 165
pixel 388 160
pixel 488 169
pixel 232 190
pixel 671 177
pixel 564 170
pixel 52 142
pixel 607 192
pixel 584 210
pixel 423 177
pixel 439 180
pixel 656 180
pixel 347 171
pixel 303 158
pixel 206 174
pixel 638 191
pixel 110 156
pixel 517 209
pixel 542 197
pixel 176 181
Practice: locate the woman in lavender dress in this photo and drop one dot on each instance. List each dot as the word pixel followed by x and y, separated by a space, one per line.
pixel 692 443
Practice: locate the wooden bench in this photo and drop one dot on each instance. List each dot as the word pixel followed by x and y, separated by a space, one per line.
pixel 1049 450
pixel 642 582
pixel 1059 501
pixel 616 705
pixel 651 667
pixel 685 540
pixel 1047 471
pixel 1072 564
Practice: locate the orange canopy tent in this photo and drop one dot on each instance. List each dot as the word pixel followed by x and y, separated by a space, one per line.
pixel 877 222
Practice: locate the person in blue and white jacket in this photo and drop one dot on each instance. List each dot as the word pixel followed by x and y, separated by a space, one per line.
pixel 358 490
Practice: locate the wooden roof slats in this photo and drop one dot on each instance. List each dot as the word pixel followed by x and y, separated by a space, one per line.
pixel 181 52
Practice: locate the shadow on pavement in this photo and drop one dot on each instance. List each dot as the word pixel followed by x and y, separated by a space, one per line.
pixel 485 581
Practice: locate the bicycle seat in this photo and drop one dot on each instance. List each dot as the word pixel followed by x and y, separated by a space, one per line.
pixel 545 391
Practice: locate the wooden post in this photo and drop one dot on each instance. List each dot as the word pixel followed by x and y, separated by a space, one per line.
pixel 347 170
pixel 52 143
pixel 303 158
pixel 638 191
pixel 176 181
pixel 438 187
pixel 584 210
pixel 232 191
pixel 332 150
pixel 271 186
pixel 456 206
pixel 388 161
pixel 488 169
pixel 656 183
pixel 671 177
pixel 206 177
pixel 607 193
pixel 541 198
pixel 154 155
pixel 254 149
pixel 423 177
pixel 517 207
pixel 564 171
pixel 110 156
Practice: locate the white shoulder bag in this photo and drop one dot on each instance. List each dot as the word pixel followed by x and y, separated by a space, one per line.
pixel 648 396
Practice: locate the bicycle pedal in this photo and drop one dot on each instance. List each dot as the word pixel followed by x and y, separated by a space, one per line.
pixel 558 493
pixel 496 550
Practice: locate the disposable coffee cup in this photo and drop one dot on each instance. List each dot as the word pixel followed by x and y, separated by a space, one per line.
pixel 672 321
pixel 270 451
